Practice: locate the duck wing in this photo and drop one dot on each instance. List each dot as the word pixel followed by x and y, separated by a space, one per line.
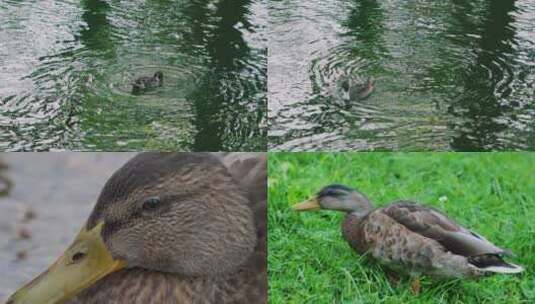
pixel 433 224
pixel 250 171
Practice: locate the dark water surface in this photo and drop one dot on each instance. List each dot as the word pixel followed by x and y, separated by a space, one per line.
pixel 450 75
pixel 66 69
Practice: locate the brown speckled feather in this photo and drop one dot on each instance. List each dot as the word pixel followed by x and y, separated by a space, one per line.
pixel 397 247
pixel 141 286
pixel 250 170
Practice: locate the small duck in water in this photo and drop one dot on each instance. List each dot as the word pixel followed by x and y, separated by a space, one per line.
pixel 145 83
pixel 356 91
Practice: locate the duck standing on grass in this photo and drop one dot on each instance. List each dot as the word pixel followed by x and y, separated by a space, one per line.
pixel 145 83
pixel 168 228
pixel 408 237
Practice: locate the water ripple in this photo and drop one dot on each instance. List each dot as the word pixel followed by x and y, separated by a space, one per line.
pixel 68 75
pixel 449 75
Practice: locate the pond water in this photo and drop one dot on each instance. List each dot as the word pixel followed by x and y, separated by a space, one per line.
pixel 67 68
pixel 449 75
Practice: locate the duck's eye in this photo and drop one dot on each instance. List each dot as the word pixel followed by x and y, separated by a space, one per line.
pixel 151 203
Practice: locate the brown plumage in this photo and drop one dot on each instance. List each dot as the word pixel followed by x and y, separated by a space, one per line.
pixel 412 238
pixel 190 227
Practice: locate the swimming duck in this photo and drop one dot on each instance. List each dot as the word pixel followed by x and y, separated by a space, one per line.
pixel 145 83
pixel 168 228
pixel 353 90
pixel 412 238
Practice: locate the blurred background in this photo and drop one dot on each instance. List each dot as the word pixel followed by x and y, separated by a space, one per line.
pixel 45 199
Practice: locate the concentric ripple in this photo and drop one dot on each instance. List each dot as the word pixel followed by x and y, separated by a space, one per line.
pixel 68 67
pixel 449 76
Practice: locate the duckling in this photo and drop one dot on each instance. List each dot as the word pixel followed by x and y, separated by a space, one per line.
pixel 167 228
pixel 145 83
pixel 356 91
pixel 411 238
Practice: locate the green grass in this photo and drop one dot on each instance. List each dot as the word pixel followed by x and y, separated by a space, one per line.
pixel 309 262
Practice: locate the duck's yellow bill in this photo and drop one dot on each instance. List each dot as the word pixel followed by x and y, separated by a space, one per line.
pixel 85 262
pixel 308 205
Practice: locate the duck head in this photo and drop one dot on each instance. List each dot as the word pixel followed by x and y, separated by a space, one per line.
pixel 370 82
pixel 159 77
pixel 337 197
pixel 179 213
pixel 349 85
pixel 345 85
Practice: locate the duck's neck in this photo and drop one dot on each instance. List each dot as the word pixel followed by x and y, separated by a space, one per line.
pixel 138 286
pixel 361 213
pixel 358 207
pixel 352 230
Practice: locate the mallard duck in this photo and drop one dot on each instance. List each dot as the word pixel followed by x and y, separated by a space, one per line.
pixel 412 238
pixel 145 83
pixel 168 228
pixel 353 90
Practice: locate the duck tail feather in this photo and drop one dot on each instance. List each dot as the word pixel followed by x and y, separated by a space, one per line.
pixel 508 268
pixel 494 263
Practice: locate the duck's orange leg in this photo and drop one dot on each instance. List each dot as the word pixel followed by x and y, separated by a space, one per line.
pixel 416 286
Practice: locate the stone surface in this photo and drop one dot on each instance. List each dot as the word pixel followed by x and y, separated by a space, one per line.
pixel 58 191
